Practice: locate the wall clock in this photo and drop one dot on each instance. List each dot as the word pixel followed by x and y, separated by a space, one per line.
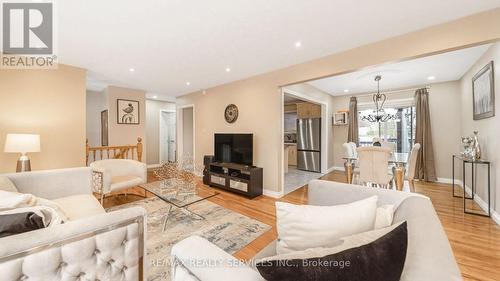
pixel 231 113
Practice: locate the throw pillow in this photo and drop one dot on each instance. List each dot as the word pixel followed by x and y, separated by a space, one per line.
pixel 380 260
pixel 49 216
pixel 7 185
pixel 302 227
pixel 14 200
pixel 18 223
pixel 384 217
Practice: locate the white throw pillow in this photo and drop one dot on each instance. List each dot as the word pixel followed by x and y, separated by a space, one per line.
pixel 13 200
pixel 348 242
pixel 302 227
pixel 7 185
pixel 384 217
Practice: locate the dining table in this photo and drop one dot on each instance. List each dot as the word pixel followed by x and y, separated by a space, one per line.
pixel 398 159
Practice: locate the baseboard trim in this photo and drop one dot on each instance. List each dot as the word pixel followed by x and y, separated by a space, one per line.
pixel 484 206
pixel 334 168
pixel 495 216
pixel 329 170
pixel 273 194
pixel 447 180
pixel 152 166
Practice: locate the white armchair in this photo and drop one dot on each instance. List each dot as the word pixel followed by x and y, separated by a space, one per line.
pixel 118 174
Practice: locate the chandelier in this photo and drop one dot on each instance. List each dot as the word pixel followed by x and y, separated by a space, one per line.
pixel 379 114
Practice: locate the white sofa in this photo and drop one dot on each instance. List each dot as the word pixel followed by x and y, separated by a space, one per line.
pixel 429 256
pixel 92 245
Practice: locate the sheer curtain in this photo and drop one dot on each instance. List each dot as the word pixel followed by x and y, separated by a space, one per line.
pixel 353 134
pixel 426 169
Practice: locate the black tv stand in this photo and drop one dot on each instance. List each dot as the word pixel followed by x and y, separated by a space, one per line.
pixel 237 178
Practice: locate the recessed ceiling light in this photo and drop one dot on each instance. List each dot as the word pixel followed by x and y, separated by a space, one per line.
pixel 431 77
pixel 228 69
pixel 298 44
pixel 188 83
pixel 346 91
pixel 131 69
pixel 154 97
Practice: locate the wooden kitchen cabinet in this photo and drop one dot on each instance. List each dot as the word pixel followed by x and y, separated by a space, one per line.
pixel 292 155
pixel 308 110
pixel 290 107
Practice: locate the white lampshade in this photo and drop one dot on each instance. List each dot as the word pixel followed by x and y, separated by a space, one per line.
pixel 22 143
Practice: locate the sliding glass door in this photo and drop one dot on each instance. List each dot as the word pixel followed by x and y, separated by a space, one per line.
pixel 400 131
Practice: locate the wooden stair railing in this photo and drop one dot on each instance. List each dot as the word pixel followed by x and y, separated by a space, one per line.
pixel 113 152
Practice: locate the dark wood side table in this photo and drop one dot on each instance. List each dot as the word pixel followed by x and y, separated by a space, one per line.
pixel 473 163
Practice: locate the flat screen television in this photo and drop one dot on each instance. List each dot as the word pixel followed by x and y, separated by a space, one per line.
pixel 234 148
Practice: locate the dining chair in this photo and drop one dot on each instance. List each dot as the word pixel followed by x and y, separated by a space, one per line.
pixel 374 165
pixel 389 144
pixel 348 150
pixel 412 166
pixel 354 149
pixel 351 152
pixel 377 142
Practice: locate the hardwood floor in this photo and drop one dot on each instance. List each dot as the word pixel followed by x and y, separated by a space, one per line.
pixel 475 240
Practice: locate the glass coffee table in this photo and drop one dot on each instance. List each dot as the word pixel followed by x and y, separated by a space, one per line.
pixel 178 194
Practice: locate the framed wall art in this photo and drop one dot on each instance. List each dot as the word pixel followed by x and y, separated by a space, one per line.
pixel 127 112
pixel 483 93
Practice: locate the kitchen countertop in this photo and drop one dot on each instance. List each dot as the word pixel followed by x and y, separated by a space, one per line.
pixel 290 143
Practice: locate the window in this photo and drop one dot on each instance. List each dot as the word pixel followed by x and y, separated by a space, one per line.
pixel 400 131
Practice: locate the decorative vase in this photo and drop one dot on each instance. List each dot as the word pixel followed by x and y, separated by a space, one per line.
pixel 477 147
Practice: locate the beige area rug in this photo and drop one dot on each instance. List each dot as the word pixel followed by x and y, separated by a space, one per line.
pixel 228 230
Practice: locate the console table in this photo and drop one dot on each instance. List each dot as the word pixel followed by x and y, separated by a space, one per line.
pixel 473 162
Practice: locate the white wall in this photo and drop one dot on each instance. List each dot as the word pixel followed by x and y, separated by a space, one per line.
pixel 187 132
pixel 153 109
pixel 126 134
pixel 96 102
pixel 489 129
pixel 46 102
pixel 445 110
pixel 339 132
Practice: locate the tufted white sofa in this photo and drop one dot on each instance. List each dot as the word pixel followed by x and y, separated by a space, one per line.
pixel 93 245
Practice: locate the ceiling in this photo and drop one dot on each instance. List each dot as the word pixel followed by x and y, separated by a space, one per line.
pixel 171 42
pixel 290 99
pixel 449 66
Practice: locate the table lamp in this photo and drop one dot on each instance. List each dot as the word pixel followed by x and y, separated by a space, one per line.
pixel 22 143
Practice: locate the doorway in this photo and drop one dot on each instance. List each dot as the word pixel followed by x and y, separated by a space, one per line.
pixel 305 139
pixel 168 143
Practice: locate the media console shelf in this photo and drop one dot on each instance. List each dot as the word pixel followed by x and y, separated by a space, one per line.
pixel 240 179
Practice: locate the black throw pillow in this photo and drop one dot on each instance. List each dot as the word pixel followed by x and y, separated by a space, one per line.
pixel 380 260
pixel 18 223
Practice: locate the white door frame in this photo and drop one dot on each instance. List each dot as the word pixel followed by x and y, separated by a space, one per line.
pixel 180 128
pixel 324 132
pixel 162 128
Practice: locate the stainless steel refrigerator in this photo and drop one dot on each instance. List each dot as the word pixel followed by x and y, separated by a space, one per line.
pixel 309 144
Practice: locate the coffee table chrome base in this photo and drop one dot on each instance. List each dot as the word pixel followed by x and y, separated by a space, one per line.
pixel 184 210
